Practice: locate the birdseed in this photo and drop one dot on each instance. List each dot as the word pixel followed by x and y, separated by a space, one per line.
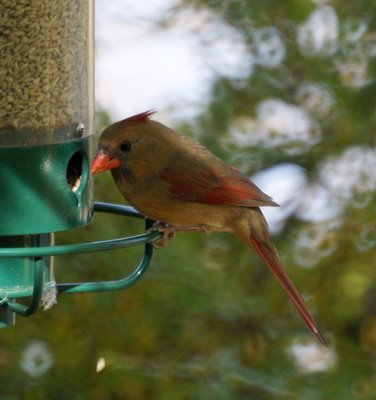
pixel 46 70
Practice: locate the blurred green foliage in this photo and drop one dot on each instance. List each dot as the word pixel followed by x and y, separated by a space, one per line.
pixel 208 321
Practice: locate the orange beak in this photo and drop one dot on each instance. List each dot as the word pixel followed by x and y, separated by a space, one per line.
pixel 102 162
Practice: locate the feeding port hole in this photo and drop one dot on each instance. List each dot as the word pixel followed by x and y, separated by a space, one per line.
pixel 74 171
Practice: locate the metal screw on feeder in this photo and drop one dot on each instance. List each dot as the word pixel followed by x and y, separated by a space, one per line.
pixel 46 140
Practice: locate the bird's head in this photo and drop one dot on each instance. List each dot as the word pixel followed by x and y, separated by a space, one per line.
pixel 121 142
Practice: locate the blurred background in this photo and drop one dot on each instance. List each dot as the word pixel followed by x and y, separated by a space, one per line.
pixel 285 92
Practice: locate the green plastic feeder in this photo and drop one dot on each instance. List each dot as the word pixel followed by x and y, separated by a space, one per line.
pixel 46 143
pixel 46 188
pixel 39 252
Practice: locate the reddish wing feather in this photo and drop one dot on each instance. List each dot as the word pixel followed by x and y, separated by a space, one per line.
pixel 189 187
pixel 238 191
pixel 207 187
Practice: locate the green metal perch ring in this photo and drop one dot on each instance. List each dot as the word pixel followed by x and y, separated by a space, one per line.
pixel 37 253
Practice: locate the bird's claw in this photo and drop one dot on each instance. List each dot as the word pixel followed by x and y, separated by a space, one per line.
pixel 168 233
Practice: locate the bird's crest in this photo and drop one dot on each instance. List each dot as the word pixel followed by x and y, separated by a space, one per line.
pixel 142 117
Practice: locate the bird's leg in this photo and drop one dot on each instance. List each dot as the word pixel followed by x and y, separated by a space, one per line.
pixel 169 231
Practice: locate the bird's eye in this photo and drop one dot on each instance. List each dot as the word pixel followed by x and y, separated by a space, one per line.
pixel 125 146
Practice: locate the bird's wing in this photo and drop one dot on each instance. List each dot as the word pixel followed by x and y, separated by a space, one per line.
pixel 223 185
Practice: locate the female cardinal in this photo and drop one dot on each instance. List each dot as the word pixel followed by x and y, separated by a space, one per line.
pixel 172 179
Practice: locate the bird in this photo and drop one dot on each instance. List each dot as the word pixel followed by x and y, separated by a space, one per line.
pixel 176 181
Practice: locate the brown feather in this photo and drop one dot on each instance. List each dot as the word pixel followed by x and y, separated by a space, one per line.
pixel 138 118
pixel 271 260
pixel 173 179
pixel 205 186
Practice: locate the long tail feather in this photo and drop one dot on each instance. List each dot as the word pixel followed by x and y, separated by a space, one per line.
pixel 271 259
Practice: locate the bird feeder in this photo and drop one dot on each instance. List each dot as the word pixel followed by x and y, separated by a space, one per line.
pixel 46 142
